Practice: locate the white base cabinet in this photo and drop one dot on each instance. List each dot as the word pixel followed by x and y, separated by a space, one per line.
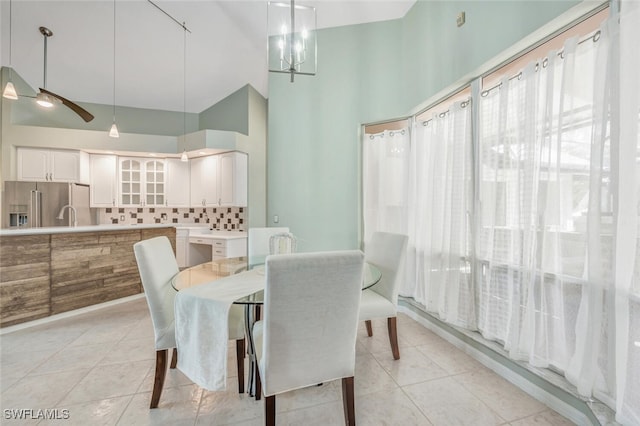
pixel 182 247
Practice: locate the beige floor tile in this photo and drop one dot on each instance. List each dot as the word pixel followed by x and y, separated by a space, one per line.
pixel 72 358
pixel 41 392
pixel 15 365
pixel 371 377
pixel 218 408
pixel 501 396
pixel 415 367
pixel 109 381
pixel 100 366
pixel 178 406
pixel 174 378
pixel 446 402
pixel 324 414
pixel 130 351
pixel 545 418
pixel 105 412
pixel 388 408
pixel 449 358
pixel 309 396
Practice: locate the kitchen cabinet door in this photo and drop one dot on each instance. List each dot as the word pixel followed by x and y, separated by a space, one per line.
pixel 141 182
pixel 154 183
pixel 46 165
pixel 130 182
pixel 232 179
pixel 204 181
pixel 64 166
pixel 177 183
pixel 33 165
pixel 103 180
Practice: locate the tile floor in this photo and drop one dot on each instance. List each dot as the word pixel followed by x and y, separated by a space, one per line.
pixel 99 366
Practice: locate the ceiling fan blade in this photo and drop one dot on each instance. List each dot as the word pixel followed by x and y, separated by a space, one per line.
pixel 83 113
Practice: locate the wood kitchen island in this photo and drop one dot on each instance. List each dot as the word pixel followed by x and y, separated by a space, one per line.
pixel 47 271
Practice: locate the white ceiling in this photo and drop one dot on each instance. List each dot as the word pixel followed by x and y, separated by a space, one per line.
pixel 225 50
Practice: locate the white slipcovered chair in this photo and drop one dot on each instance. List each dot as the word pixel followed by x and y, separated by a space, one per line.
pixel 308 335
pixel 157 265
pixel 258 243
pixel 387 252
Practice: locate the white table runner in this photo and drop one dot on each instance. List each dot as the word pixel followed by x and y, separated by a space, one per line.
pixel 202 331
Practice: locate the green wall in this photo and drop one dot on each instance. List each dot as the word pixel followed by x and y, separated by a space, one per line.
pixel 368 73
pixel 231 113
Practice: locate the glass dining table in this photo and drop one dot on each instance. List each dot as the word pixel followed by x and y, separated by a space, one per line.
pixel 209 272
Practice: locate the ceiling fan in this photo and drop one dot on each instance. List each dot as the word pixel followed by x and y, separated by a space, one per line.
pixel 47 98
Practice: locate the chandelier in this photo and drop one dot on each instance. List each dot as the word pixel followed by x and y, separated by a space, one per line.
pixel 292 45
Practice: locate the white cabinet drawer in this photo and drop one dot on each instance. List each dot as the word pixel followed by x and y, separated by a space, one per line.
pixel 200 240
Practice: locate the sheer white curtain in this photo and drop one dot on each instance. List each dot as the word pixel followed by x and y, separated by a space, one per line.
pixel 536 189
pixel 385 166
pixel 627 249
pixel 557 230
pixel 533 191
pixel 438 272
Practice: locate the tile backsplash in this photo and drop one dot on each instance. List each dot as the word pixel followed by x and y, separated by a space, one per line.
pixel 222 218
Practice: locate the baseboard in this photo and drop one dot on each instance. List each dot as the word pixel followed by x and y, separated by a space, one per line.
pixel 56 317
pixel 554 392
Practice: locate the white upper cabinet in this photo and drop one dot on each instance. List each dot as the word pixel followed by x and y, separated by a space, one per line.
pixel 48 165
pixel 232 179
pixel 177 183
pixel 219 180
pixel 204 181
pixel 141 182
pixel 103 185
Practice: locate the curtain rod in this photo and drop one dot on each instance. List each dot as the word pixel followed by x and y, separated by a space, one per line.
pixel 463 104
pixel 391 132
pixel 174 19
pixel 391 120
pixel 595 37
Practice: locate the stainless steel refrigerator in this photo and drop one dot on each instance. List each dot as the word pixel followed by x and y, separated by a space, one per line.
pixel 39 204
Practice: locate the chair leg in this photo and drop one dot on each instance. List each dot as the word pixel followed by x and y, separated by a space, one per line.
pixel 258 389
pixel 158 383
pixel 270 410
pixel 393 337
pixel 174 358
pixel 369 329
pixel 348 401
pixel 240 360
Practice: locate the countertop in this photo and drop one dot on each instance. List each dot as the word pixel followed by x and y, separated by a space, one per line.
pixel 217 235
pixel 97 228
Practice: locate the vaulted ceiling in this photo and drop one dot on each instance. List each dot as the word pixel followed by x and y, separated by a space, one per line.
pixel 225 48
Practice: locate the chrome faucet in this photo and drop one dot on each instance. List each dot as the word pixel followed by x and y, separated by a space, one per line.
pixel 75 214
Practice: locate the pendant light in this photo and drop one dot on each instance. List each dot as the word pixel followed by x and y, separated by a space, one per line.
pixel 113 132
pixel 9 89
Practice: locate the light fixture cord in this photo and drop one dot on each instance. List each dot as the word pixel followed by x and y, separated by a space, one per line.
pixel 184 82
pixel 114 61
pixel 44 83
pixel 292 67
pixel 10 32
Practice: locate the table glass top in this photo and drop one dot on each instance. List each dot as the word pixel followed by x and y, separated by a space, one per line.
pixel 211 271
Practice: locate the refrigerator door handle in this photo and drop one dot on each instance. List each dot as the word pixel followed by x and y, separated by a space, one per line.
pixel 35 209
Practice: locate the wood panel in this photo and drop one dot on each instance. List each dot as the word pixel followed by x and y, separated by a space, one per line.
pixel 42 275
pixel 24 278
pixel 92 268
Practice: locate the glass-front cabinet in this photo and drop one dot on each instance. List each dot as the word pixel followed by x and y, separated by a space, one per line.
pixel 154 183
pixel 142 182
